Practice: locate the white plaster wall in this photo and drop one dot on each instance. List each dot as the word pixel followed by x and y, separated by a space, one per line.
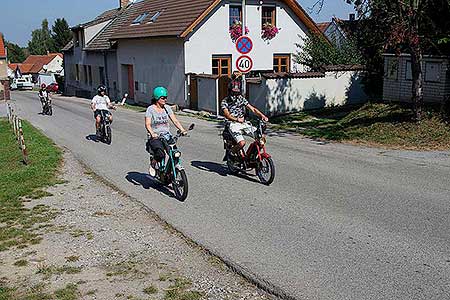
pixel 277 96
pixel 207 97
pixel 156 62
pixel 91 31
pixel 213 37
pixel 56 65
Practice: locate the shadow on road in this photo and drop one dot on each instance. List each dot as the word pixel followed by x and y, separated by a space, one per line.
pixel 92 137
pixel 220 169
pixel 147 182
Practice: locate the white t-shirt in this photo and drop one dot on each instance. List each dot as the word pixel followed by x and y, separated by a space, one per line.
pixel 101 102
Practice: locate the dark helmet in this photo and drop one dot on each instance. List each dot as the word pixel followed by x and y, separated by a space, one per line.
pixel 101 89
pixel 235 85
pixel 43 86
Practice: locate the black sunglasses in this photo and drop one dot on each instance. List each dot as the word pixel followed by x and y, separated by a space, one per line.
pixel 164 98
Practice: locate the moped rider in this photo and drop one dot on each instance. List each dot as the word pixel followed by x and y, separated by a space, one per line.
pixel 234 106
pixel 157 124
pixel 99 103
pixel 44 95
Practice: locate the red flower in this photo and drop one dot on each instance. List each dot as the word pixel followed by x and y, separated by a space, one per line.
pixel 269 31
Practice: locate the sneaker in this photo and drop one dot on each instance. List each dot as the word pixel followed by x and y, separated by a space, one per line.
pixel 152 168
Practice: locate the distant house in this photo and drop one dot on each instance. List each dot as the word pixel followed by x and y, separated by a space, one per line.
pixel 144 44
pixel 397 83
pixel 36 65
pixel 4 81
pixel 338 30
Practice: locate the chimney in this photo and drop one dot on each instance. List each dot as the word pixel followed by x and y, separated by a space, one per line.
pixel 351 17
pixel 123 3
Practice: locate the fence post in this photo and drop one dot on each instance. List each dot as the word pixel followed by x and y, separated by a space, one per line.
pixel 22 144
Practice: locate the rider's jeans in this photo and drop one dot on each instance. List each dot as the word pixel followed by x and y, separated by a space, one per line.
pixel 238 130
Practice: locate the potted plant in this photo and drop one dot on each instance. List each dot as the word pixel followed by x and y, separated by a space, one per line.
pixel 236 31
pixel 269 31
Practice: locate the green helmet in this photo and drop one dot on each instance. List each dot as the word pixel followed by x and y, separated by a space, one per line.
pixel 159 92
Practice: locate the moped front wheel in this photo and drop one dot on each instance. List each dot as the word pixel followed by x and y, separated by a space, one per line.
pixel 108 135
pixel 180 185
pixel 266 170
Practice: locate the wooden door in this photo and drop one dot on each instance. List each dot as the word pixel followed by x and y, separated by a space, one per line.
pixel 193 91
pixel 223 90
pixel 130 82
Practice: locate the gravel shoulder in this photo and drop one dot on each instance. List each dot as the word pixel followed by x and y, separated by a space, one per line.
pixel 108 246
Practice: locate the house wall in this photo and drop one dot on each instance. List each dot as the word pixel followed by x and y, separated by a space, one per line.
pixel 213 38
pixel 56 66
pixel 397 83
pixel 156 62
pixel 91 31
pixel 283 95
pixel 96 60
pixel 334 34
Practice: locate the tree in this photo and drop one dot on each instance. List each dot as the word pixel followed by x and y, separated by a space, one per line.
pixel 41 41
pixel 61 34
pixel 15 53
pixel 411 26
pixel 316 52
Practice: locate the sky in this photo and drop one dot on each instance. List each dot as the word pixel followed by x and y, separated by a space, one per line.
pixel 23 16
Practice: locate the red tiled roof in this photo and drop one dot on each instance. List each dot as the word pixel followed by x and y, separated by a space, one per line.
pixel 2 46
pixel 179 17
pixel 24 68
pixel 323 26
pixel 38 61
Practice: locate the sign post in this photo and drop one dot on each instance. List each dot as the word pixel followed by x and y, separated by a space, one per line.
pixel 244 20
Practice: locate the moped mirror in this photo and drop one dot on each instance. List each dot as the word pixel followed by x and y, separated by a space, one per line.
pixel 191 126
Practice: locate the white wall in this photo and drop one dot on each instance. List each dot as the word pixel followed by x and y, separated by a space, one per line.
pixel 213 37
pixel 277 96
pixel 55 66
pixel 91 31
pixel 156 62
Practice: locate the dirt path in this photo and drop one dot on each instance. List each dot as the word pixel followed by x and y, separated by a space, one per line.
pixel 102 245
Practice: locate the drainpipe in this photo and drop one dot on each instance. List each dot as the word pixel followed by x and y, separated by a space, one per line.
pixel 105 61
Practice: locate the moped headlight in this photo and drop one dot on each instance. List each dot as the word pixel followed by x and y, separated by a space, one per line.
pixel 177 154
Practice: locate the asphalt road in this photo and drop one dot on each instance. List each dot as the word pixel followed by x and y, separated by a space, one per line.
pixel 339 222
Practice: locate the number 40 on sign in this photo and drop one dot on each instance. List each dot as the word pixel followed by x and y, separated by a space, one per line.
pixel 244 64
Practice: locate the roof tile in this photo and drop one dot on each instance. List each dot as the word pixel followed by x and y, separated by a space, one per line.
pixel 2 46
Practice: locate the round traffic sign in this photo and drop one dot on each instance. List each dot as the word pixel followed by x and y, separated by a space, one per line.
pixel 244 44
pixel 244 64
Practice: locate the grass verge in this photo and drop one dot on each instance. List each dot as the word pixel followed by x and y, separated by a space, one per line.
pixel 134 107
pixel 387 125
pixel 18 224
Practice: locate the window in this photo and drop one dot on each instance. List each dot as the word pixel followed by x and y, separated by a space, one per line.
pixel 140 18
pixel 391 69
pixel 76 39
pixel 432 71
pixel 235 14
pixel 408 70
pixel 85 74
pixel 268 16
pixel 221 65
pixel 281 63
pixel 101 70
pixel 90 75
pixel 77 72
pixel 155 16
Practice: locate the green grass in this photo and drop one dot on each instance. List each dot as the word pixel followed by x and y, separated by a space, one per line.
pixel 135 107
pixel 150 290
pixel 21 263
pixel 48 271
pixel 19 180
pixel 69 292
pixel 372 124
pixel 178 290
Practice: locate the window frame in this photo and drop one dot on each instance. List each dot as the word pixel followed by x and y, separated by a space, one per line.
pixel 273 17
pixel 234 6
pixel 219 68
pixel 439 66
pixel 101 71
pixel 279 57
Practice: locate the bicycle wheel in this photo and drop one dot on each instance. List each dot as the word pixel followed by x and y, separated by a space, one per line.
pixel 180 185
pixel 266 171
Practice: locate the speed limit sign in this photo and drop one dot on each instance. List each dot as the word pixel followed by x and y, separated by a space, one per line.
pixel 244 64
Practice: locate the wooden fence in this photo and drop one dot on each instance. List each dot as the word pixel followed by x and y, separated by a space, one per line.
pixel 16 124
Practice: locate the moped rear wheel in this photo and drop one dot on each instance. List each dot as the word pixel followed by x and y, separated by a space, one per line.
pixel 266 170
pixel 180 185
